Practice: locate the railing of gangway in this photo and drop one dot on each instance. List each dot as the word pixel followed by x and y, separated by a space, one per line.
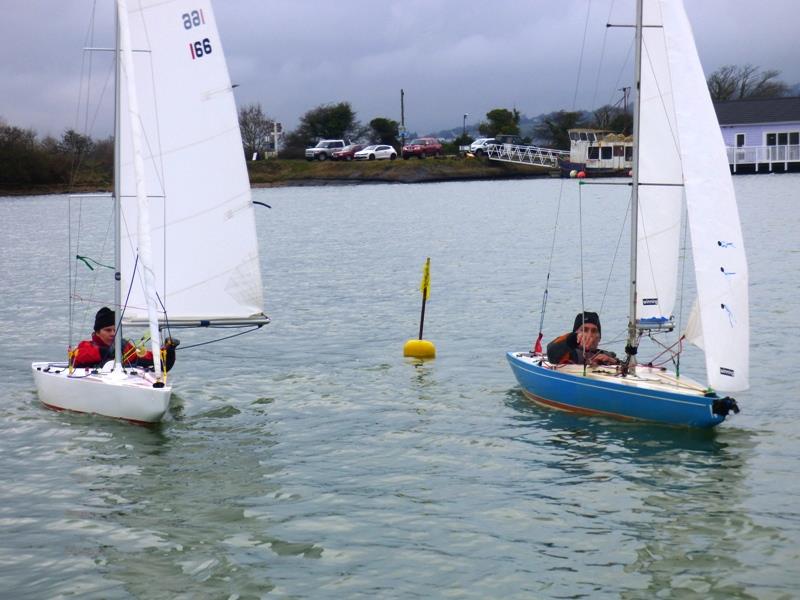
pixel 526 155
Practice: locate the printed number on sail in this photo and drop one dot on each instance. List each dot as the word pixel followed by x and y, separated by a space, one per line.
pixel 200 49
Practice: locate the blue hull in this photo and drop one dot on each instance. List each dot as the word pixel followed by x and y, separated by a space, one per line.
pixel 610 397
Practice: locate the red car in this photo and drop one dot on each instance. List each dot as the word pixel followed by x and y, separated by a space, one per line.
pixel 347 152
pixel 422 147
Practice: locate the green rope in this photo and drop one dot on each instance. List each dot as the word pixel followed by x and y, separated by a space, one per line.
pixel 86 260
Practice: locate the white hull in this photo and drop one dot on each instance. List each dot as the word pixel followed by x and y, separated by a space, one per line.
pixel 128 395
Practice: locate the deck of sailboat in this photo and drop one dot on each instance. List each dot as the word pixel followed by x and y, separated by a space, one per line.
pixel 642 378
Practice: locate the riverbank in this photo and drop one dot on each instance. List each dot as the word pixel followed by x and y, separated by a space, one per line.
pixel 300 172
pixel 272 172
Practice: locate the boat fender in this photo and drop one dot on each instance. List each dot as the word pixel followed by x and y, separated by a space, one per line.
pixel 158 384
pixel 723 406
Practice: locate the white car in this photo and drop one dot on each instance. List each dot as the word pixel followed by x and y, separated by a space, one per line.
pixel 377 152
pixel 478 147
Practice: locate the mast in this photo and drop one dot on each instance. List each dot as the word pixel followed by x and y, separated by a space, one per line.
pixel 117 195
pixel 631 347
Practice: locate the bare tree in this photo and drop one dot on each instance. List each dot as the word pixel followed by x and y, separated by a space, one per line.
pixel 256 129
pixel 734 82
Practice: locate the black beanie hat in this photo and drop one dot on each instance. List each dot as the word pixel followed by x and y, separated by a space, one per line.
pixel 104 318
pixel 587 317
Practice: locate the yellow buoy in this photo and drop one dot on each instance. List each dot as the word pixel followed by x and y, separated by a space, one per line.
pixel 419 349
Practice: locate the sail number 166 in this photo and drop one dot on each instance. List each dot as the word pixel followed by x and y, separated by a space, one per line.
pixel 200 49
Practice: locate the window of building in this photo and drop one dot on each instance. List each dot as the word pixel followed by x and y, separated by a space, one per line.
pixel 739 140
pixel 628 153
pixel 771 139
pixel 594 153
pixel 605 152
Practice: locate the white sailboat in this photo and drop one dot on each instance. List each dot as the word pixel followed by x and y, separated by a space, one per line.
pixel 186 248
pixel 679 157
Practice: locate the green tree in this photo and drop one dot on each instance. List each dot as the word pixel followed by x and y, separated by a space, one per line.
pixel 384 131
pixel 733 82
pixel 328 121
pixel 554 127
pixel 500 120
pixel 256 129
pixel 613 118
pixel 75 144
pixel 19 160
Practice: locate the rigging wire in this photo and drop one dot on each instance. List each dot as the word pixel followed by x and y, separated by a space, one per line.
pixel 580 59
pixel 684 260
pixel 227 337
pixel 580 243
pixel 614 258
pixel 538 344
pixel 602 55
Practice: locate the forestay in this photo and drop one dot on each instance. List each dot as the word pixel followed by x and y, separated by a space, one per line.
pixel 717 245
pixel 205 254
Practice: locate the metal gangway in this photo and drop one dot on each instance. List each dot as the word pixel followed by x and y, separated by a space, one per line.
pixel 526 155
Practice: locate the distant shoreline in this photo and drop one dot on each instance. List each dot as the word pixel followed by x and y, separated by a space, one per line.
pixel 301 173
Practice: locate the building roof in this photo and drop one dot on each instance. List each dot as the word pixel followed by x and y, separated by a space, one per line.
pixel 758 110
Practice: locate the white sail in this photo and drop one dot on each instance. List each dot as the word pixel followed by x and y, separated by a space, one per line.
pixel 660 178
pixel 143 246
pixel 717 245
pixel 205 254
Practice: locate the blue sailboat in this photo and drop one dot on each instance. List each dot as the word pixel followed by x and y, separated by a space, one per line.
pixel 679 159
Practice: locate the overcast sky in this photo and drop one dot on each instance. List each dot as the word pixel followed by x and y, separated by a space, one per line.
pixel 450 56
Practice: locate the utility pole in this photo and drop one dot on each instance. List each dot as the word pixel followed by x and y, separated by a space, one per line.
pixel 625 92
pixel 276 128
pixel 402 118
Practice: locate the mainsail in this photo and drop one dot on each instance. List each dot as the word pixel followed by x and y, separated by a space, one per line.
pixel 717 244
pixel 144 242
pixel 660 181
pixel 205 252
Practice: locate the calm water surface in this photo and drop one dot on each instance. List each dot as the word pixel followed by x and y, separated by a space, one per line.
pixel 310 460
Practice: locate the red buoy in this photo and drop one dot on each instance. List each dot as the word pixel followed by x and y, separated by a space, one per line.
pixel 581 174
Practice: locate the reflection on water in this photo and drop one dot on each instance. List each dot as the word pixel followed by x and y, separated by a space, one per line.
pixel 681 501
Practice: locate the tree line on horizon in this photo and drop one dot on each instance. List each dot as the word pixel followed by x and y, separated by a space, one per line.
pixel 77 160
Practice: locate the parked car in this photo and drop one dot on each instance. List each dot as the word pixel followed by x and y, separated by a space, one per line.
pixel 422 147
pixel 478 147
pixel 324 149
pixel 376 152
pixel 347 152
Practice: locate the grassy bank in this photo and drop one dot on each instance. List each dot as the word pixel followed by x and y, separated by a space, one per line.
pixel 278 172
pixel 275 172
